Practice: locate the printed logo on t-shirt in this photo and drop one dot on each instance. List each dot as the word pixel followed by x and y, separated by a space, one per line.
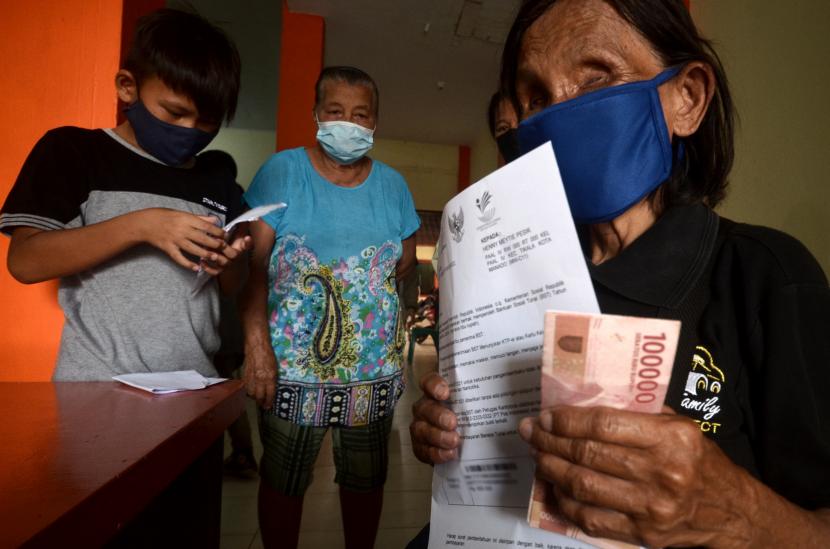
pixel 703 388
pixel 214 204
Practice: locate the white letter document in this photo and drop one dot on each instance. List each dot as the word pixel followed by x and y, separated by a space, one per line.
pixel 508 252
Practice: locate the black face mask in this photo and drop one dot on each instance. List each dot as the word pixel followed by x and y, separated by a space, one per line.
pixel 173 145
pixel 508 144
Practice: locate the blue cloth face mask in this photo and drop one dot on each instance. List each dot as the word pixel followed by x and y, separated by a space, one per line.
pixel 344 141
pixel 612 146
pixel 171 144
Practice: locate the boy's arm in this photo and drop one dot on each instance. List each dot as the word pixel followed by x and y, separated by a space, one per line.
pixel 260 363
pixel 36 255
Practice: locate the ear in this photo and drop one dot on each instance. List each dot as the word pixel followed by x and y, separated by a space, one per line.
pixel 126 86
pixel 691 92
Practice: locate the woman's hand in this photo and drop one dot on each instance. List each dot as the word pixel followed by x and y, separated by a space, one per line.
pixel 642 478
pixel 434 438
pixel 260 375
pixel 260 363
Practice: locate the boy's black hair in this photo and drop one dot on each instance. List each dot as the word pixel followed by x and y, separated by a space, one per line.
pixel 191 56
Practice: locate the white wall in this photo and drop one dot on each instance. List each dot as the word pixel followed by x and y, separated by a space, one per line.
pixel 250 149
pixel 255 27
pixel 777 59
pixel 430 170
pixel 483 155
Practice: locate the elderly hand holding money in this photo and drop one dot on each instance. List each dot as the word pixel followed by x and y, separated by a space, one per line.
pixel 640 477
pixel 644 478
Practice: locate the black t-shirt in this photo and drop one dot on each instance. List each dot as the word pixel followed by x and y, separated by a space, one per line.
pixel 134 312
pixel 753 363
pixel 68 165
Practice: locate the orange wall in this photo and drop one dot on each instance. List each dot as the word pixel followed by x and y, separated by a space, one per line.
pixel 463 167
pixel 131 11
pixel 58 64
pixel 301 59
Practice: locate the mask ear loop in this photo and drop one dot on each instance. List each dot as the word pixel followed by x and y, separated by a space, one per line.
pixel 678 152
pixel 676 177
pixel 679 162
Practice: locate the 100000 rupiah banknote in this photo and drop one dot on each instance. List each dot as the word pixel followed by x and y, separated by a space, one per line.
pixel 601 360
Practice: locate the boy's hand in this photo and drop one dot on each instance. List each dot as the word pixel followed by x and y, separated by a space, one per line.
pixel 176 233
pixel 218 261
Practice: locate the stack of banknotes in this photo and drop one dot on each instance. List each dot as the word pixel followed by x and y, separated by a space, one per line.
pixel 600 360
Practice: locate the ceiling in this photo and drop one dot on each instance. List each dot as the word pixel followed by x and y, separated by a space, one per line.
pixel 436 62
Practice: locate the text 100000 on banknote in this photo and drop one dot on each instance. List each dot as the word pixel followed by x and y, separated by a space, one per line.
pixel 600 360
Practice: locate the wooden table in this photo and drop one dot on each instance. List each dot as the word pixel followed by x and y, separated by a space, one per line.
pixel 86 464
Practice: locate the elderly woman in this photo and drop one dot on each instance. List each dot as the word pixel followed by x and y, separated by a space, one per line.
pixel 637 107
pixel 502 121
pixel 323 333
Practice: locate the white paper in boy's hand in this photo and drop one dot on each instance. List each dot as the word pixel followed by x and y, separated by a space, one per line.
pixel 254 214
pixel 251 215
pixel 168 382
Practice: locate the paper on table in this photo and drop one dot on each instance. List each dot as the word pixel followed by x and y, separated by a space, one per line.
pixel 251 215
pixel 168 382
pixel 601 360
pixel 508 252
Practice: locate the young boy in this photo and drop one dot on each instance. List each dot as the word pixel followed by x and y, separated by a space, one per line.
pixel 126 217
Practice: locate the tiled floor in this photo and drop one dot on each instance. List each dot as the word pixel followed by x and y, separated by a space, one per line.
pixel 406 497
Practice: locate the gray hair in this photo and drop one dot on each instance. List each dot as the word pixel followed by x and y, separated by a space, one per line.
pixel 350 75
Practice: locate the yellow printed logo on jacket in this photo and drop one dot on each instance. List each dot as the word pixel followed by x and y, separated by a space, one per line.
pixel 703 387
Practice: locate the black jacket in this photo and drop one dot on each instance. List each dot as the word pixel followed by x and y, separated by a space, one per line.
pixel 753 363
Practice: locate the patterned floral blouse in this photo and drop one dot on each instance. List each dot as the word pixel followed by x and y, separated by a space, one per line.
pixel 333 308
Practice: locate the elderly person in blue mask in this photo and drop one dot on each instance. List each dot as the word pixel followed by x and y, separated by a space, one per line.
pixel 502 121
pixel 323 331
pixel 638 109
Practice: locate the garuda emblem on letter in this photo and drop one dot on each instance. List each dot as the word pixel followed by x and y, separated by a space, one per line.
pixel 456 223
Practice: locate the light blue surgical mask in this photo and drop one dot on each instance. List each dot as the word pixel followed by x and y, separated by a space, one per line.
pixel 612 146
pixel 344 141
